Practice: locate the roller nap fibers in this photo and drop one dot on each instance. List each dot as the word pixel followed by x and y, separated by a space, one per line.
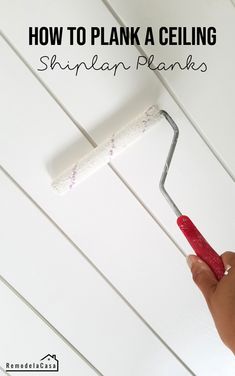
pixel 104 153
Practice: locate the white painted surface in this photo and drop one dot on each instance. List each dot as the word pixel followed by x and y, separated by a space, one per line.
pixel 50 273
pixel 101 216
pixel 208 98
pixel 193 159
pixel 26 339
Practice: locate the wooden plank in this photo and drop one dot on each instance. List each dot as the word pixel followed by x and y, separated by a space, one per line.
pixel 207 97
pixel 26 339
pixel 136 277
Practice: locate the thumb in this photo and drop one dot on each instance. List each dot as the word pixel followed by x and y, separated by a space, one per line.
pixel 202 276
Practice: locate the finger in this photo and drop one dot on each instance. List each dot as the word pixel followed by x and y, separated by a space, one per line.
pixel 228 258
pixel 229 265
pixel 202 276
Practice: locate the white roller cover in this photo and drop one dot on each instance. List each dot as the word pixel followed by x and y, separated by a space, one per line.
pixel 105 152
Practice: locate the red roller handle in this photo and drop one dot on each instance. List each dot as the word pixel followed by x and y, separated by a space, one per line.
pixel 200 246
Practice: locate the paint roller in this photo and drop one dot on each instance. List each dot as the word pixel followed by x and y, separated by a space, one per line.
pixel 116 144
pixel 105 152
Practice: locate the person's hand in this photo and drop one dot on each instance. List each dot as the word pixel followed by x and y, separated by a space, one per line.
pixel 220 296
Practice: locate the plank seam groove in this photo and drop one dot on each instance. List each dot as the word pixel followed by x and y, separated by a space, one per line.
pixel 96 269
pixel 174 96
pixel 48 324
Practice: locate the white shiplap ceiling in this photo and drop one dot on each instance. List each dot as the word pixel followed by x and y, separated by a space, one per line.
pixel 105 264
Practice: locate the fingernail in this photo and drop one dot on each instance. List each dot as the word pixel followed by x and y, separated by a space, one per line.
pixel 191 259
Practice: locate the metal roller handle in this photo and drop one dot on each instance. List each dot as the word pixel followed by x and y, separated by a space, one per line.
pixel 199 244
